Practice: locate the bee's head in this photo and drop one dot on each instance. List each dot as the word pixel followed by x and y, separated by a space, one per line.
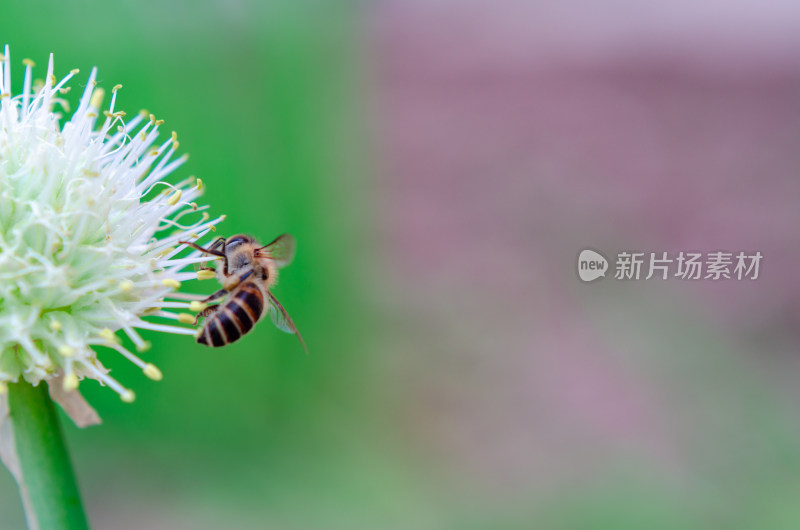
pixel 232 243
pixel 236 251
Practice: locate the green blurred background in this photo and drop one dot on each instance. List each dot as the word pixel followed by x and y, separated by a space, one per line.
pixel 264 98
pixel 441 165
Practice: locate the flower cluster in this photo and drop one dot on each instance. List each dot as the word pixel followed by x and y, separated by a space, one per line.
pixel 89 232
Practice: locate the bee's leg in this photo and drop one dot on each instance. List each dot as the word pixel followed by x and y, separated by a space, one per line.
pixel 205 312
pixel 210 309
pixel 218 294
pixel 220 241
pixel 233 281
pixel 211 250
pixel 225 259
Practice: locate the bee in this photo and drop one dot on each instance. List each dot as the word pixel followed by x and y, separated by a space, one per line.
pixel 248 271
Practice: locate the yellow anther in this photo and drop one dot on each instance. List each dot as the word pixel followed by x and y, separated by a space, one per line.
pixel 194 235
pixel 204 217
pixel 144 346
pixel 185 318
pixel 152 372
pixel 174 136
pixel 120 114
pixel 165 252
pixel 212 228
pixel 175 145
pixel 193 205
pixel 199 184
pixel 144 113
pixel 28 62
pixel 152 118
pixel 195 305
pixel 107 114
pixel 55 325
pixel 2 57
pixel 52 79
pixel 91 114
pixel 143 136
pixel 94 83
pixel 65 90
pixel 97 98
pixel 3 387
pixel 126 286
pixel 120 128
pixel 154 152
pixel 70 382
pixel 171 282
pixel 205 275
pixel 174 198
pixel 108 335
pixel 75 71
pixel 116 87
pixel 66 351
pixel 127 396
pixel 159 122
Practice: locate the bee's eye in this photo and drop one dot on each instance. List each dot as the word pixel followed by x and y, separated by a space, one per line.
pixel 233 242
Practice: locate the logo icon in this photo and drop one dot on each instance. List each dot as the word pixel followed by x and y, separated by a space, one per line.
pixel 591 265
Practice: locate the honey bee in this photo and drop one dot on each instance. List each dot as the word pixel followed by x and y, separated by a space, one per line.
pixel 248 271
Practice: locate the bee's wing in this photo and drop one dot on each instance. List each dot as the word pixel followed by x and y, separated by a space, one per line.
pixel 281 250
pixel 282 319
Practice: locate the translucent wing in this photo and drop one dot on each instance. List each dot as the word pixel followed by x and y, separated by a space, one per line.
pixel 282 319
pixel 281 250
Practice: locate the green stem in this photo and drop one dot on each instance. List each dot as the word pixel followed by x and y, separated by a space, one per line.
pixel 48 488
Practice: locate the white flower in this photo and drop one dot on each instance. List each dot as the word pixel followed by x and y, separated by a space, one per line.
pixel 89 233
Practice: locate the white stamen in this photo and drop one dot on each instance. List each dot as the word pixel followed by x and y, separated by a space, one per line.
pixel 166 329
pixel 81 236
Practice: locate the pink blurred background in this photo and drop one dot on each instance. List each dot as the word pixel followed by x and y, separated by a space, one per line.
pixel 514 134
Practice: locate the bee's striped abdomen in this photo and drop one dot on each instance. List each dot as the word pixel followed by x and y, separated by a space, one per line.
pixel 234 318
